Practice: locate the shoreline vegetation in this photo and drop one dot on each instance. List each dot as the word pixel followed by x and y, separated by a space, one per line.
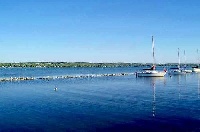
pixel 84 64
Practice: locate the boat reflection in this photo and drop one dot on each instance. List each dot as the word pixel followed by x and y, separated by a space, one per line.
pixel 153 82
pixel 181 84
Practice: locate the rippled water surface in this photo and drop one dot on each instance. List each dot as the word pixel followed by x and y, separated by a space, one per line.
pixel 104 103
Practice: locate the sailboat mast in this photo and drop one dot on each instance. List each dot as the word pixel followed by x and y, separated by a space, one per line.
pixel 184 57
pixel 178 59
pixel 197 57
pixel 153 51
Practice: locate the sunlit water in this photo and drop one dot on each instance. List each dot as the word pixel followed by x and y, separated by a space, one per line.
pixel 119 103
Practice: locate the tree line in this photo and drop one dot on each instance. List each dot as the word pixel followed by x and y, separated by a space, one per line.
pixel 82 64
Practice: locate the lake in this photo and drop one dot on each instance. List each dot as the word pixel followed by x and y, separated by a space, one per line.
pixel 104 103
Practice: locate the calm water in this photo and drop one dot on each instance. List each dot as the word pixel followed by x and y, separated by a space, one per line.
pixel 119 103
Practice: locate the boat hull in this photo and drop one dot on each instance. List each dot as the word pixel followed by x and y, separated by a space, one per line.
pixel 187 71
pixel 196 69
pixel 177 72
pixel 149 74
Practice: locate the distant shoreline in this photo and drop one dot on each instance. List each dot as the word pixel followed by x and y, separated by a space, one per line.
pixel 84 64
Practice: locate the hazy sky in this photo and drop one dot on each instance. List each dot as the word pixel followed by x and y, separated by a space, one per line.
pixel 99 30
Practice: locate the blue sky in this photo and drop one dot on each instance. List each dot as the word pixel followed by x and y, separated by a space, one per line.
pixel 99 30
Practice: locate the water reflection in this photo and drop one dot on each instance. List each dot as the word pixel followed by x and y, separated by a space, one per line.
pixel 153 82
pixel 154 100
pixel 198 89
pixel 181 83
pixel 179 93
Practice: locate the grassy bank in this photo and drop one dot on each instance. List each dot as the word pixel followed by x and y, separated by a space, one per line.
pixel 81 64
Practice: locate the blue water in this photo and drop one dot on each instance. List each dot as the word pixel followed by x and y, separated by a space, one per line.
pixel 114 103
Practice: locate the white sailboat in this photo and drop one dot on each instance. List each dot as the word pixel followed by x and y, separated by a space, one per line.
pixel 177 70
pixel 152 72
pixel 184 69
pixel 196 68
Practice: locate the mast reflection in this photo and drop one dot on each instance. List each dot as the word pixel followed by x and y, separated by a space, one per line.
pixel 154 100
pixel 198 89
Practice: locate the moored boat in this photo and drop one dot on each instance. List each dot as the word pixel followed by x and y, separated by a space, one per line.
pixel 197 68
pixel 185 69
pixel 152 72
pixel 177 70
